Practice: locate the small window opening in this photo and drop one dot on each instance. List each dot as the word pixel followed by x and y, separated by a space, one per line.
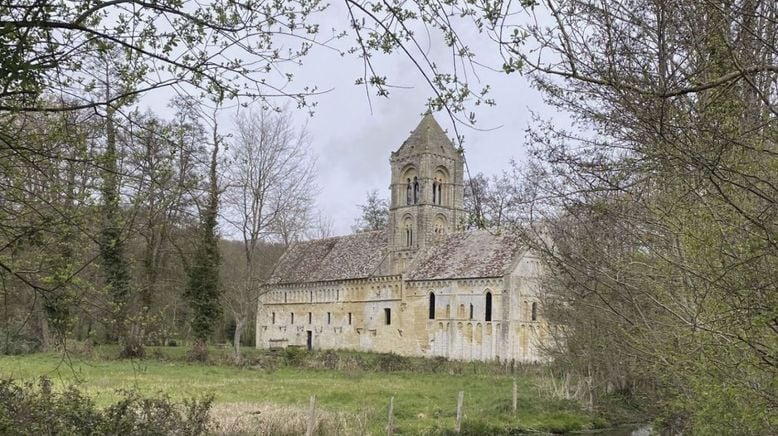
pixel 471 310
pixel 349 318
pixel 273 318
pixel 329 318
pixel 388 315
pixel 435 192
pixel 432 306
pixel 415 190
pixel 409 193
pixel 488 315
pixel 285 297
pixel 310 317
pixel 311 297
pixel 292 318
pixel 534 311
pixel 448 311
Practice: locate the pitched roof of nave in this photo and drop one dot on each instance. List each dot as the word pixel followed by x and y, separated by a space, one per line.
pixel 427 137
pixel 339 258
pixel 471 254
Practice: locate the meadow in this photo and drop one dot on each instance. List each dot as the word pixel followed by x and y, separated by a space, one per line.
pixel 268 393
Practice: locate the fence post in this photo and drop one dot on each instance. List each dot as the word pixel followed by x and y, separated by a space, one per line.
pixel 460 401
pixel 311 417
pixel 515 397
pixel 390 425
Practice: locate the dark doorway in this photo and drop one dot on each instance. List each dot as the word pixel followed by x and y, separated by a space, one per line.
pixel 488 314
pixel 309 341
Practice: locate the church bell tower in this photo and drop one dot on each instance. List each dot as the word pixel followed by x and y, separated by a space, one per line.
pixel 426 192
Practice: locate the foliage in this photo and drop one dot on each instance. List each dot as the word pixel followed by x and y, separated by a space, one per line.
pixel 38 409
pixel 229 49
pixel 656 212
pixel 112 243
pixel 203 292
pixel 375 214
pixel 48 46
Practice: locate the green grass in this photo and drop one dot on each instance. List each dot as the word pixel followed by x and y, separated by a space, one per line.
pixel 424 401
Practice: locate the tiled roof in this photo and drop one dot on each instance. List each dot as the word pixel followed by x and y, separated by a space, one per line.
pixel 469 254
pixel 427 137
pixel 339 258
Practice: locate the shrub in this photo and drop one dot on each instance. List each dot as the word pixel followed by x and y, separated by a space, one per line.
pixel 31 409
pixel 294 356
pixel 18 343
pixel 390 362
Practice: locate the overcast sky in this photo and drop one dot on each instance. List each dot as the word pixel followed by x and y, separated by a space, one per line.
pixel 353 143
pixel 352 136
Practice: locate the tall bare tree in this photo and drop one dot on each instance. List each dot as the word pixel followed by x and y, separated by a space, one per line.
pixel 271 183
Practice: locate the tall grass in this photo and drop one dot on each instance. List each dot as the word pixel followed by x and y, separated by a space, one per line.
pixel 269 392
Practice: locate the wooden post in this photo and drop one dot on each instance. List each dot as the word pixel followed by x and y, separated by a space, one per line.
pixel 311 417
pixel 460 401
pixel 515 397
pixel 390 425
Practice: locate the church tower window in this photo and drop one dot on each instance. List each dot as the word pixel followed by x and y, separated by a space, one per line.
pixel 534 311
pixel 432 306
pixel 409 193
pixel 415 190
pixel 435 192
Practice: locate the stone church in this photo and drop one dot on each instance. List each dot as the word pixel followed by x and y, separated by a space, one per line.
pixel 423 287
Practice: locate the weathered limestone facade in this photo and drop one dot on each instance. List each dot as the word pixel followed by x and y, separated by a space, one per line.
pixel 421 288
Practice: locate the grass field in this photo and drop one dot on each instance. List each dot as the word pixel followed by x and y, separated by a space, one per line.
pixel 273 398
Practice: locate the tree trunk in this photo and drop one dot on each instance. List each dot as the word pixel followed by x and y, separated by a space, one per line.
pixel 240 324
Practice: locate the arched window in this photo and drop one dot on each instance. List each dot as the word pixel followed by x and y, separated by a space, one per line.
pixel 408 232
pixel 471 310
pixel 440 225
pixel 432 305
pixel 534 311
pixel 408 193
pixel 440 178
pixel 415 190
pixel 488 314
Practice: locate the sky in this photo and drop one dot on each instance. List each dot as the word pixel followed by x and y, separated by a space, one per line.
pixel 353 136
